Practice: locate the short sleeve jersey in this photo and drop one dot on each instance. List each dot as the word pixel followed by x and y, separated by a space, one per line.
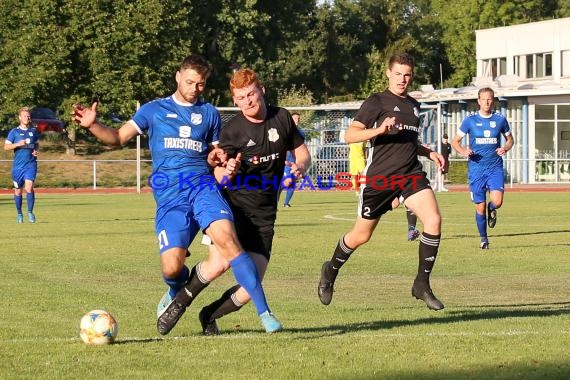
pixel 179 140
pixel 397 153
pixel 23 156
pixel 484 139
pixel 264 146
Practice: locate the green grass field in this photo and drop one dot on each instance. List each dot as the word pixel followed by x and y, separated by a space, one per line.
pixel 507 312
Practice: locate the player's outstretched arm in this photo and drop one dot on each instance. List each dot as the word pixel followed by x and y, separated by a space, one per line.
pixel 86 117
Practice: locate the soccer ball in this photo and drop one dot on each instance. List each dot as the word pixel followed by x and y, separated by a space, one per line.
pixel 98 327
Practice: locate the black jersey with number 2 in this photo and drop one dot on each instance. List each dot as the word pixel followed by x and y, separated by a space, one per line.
pixel 394 153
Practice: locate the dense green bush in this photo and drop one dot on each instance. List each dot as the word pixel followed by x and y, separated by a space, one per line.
pixel 457 172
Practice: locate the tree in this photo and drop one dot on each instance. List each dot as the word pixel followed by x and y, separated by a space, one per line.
pixel 460 20
pixel 34 61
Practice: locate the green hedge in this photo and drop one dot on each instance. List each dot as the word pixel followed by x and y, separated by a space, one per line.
pixel 457 172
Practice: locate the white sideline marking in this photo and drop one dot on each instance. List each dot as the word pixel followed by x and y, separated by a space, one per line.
pixel 333 217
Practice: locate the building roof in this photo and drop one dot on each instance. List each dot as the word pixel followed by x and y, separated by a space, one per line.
pixel 504 86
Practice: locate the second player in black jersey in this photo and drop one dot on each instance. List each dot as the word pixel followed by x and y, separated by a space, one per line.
pixel 263 148
pixel 395 152
pixel 390 120
pixel 257 139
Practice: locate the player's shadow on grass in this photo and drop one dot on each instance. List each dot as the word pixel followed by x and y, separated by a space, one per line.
pixel 106 220
pixel 546 305
pixel 463 236
pixel 457 314
pixel 466 313
pixel 138 340
pixel 533 233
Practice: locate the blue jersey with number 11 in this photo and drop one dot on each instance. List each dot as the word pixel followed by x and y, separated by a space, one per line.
pixel 484 140
pixel 179 140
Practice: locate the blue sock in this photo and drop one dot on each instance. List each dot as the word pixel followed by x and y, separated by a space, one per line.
pixel 30 199
pixel 481 224
pixel 491 206
pixel 177 283
pixel 18 202
pixel 245 272
pixel 288 196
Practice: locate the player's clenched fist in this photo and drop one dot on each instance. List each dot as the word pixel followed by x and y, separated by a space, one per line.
pixel 217 157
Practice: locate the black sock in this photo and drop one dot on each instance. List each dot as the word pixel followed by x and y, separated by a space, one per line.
pixel 412 219
pixel 195 284
pixel 429 245
pixel 224 305
pixel 341 254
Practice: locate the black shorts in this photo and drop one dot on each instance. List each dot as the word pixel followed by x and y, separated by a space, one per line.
pixel 257 238
pixel 379 192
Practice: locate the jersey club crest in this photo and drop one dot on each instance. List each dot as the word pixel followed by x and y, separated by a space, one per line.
pixel 273 135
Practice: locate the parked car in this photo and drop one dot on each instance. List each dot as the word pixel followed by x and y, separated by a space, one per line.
pixel 46 120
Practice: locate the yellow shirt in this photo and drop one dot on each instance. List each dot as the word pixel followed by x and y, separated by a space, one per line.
pixel 357 157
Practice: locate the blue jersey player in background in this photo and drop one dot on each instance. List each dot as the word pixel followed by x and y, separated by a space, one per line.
pixel 485 154
pixel 289 180
pixel 183 133
pixel 24 141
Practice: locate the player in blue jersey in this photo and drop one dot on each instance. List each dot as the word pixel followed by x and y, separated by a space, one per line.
pixel 485 154
pixel 24 141
pixel 390 120
pixel 183 131
pixel 289 179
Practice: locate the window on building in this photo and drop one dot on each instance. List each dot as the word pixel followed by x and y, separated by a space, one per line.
pixel 535 65
pixel 548 64
pixel 529 66
pixel 552 146
pixel 502 66
pixel 564 112
pixel 494 67
pixel 565 63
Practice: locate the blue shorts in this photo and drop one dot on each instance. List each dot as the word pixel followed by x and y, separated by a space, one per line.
pixel 20 176
pixel 492 180
pixel 178 221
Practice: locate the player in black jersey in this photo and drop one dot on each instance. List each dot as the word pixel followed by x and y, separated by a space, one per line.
pixel 258 139
pixel 390 120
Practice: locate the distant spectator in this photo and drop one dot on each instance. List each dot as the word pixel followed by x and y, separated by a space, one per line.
pixel 357 162
pixel 445 152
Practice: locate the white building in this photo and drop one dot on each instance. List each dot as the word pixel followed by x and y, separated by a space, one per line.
pixel 528 67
